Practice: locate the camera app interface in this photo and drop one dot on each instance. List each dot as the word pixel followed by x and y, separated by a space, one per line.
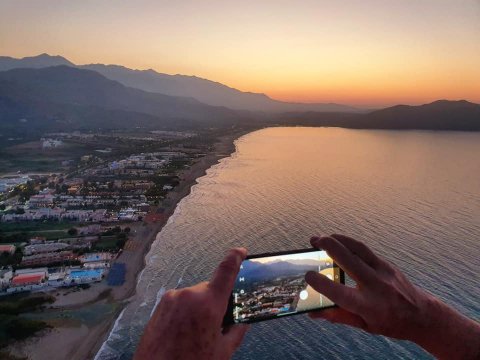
pixel 275 286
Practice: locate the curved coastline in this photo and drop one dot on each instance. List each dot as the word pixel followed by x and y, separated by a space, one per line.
pixel 224 149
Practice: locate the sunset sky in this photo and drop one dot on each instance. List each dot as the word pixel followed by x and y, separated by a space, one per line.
pixel 367 53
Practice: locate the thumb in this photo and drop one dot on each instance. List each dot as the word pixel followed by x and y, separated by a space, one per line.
pixel 233 336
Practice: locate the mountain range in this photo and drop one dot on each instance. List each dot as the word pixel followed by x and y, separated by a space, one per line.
pixel 65 98
pixel 46 93
pixel 206 91
pixel 255 271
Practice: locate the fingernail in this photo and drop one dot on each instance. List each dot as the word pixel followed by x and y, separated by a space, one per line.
pixel 242 250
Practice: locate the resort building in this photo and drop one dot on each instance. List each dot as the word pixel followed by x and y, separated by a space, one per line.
pixel 27 282
pixel 51 143
pixel 44 248
pixel 47 258
pixel 100 260
pixel 5 276
pixel 7 248
pixel 40 201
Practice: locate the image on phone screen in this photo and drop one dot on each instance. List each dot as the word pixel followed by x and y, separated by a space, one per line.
pixel 273 286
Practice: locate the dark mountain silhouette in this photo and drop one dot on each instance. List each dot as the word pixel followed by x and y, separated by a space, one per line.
pixel 68 97
pixel 439 115
pixel 206 91
pixel 40 61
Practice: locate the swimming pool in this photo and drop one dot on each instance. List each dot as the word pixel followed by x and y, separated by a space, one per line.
pixel 86 274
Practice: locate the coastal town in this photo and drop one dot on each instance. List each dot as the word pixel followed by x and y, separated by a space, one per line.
pixel 96 205
pixel 77 237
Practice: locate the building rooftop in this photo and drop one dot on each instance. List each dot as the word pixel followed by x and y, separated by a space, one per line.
pixel 7 248
pixel 25 279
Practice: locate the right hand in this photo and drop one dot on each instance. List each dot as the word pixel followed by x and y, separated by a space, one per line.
pixel 385 302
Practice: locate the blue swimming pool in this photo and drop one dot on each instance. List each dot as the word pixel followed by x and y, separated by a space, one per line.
pixel 85 274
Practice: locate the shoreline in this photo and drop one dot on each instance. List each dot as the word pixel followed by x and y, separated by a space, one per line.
pixel 223 149
pixel 83 342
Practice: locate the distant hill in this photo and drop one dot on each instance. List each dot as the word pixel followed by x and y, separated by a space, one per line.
pixel 439 115
pixel 40 61
pixel 67 97
pixel 206 91
pixel 255 271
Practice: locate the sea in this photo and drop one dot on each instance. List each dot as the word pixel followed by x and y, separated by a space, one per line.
pixel 412 196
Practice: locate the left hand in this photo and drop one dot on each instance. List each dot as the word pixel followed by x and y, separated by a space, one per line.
pixel 187 323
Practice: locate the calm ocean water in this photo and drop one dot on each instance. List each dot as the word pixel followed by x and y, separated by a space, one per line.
pixel 413 196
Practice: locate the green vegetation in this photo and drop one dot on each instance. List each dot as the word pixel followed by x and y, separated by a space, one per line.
pixel 23 231
pixel 21 303
pixel 156 191
pixel 112 240
pixel 177 164
pixel 7 259
pixel 12 325
pixel 24 191
pixel 12 238
pixel 37 226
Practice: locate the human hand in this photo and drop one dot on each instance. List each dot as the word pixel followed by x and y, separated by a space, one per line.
pixel 385 302
pixel 187 323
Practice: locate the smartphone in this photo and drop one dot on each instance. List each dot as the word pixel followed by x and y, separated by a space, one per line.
pixel 270 286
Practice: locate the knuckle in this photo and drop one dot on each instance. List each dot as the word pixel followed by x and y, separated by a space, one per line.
pixel 168 296
pixel 185 294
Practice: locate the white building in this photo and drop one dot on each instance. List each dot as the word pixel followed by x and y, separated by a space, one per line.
pixel 51 143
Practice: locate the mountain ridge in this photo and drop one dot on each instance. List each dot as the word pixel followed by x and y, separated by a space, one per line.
pixel 204 90
pixel 72 97
pixel 61 94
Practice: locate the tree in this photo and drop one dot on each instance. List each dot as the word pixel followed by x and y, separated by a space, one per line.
pixel 72 231
pixel 126 230
pixel 120 243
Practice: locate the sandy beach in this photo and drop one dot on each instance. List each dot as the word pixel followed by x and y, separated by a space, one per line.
pixel 76 339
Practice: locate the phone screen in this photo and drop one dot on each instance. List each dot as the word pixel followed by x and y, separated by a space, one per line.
pixel 270 286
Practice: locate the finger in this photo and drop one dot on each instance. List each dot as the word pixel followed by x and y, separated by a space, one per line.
pixel 359 249
pixel 344 296
pixel 233 335
pixel 351 263
pixel 340 316
pixel 226 273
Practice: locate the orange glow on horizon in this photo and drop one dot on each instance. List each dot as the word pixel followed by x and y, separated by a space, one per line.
pixel 365 53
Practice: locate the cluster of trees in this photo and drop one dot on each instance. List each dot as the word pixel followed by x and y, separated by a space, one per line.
pixel 17 211
pixel 114 239
pixel 159 181
pixel 7 259
pixel 14 327
pixel 24 191
pixel 177 164
pixel 13 237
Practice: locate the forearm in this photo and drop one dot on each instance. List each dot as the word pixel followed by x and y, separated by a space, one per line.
pixel 447 334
